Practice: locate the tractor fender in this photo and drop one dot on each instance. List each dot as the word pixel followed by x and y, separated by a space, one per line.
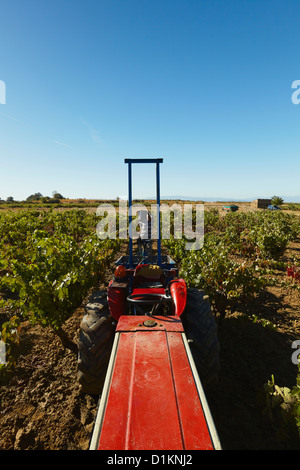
pixel 178 292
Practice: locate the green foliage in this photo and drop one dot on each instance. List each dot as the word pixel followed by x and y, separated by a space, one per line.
pixel 53 274
pixel 49 261
pixel 292 206
pixel 277 201
pixel 222 278
pixel 57 195
pixel 239 249
pixel 34 197
pixel 273 232
pixel 282 406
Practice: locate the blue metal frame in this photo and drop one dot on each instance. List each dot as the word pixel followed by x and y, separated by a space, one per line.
pixel 157 161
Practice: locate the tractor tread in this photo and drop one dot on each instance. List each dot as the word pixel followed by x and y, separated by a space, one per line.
pixel 201 329
pixel 94 344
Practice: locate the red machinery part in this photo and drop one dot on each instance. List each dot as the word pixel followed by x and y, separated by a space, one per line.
pixel 116 296
pixel 152 397
pixel 179 293
pixel 117 292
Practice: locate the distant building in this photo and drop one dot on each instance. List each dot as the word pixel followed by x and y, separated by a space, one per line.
pixel 261 203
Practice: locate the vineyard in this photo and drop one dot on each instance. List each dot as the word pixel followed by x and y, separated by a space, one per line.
pixel 51 262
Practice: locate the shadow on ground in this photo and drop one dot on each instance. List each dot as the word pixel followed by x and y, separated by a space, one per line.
pixel 250 353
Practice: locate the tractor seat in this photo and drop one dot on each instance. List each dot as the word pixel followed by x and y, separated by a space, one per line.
pixel 148 275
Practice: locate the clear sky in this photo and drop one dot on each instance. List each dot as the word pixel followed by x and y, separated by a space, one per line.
pixel 203 84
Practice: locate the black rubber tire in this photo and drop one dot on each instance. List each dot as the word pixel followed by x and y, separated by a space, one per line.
pixel 95 344
pixel 201 331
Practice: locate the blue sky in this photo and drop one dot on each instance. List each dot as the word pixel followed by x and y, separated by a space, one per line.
pixel 203 84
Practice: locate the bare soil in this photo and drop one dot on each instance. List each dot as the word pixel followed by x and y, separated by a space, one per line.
pixel 42 408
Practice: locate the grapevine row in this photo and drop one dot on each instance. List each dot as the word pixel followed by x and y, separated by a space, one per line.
pixel 239 250
pixel 48 263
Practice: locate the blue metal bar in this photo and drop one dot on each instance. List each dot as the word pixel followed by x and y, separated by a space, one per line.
pixel 158 215
pixel 130 214
pixel 144 160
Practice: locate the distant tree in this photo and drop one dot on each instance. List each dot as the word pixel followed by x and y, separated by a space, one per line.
pixel 9 199
pixel 34 197
pixel 277 201
pixel 57 195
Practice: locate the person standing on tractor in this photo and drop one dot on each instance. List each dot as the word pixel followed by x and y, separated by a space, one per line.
pixel 144 219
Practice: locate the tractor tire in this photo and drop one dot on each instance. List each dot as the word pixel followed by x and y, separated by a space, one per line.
pixel 95 343
pixel 201 331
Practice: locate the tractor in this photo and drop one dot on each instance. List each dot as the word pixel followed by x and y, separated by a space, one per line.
pixel 148 346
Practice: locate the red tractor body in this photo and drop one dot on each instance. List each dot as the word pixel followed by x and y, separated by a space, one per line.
pixel 152 398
